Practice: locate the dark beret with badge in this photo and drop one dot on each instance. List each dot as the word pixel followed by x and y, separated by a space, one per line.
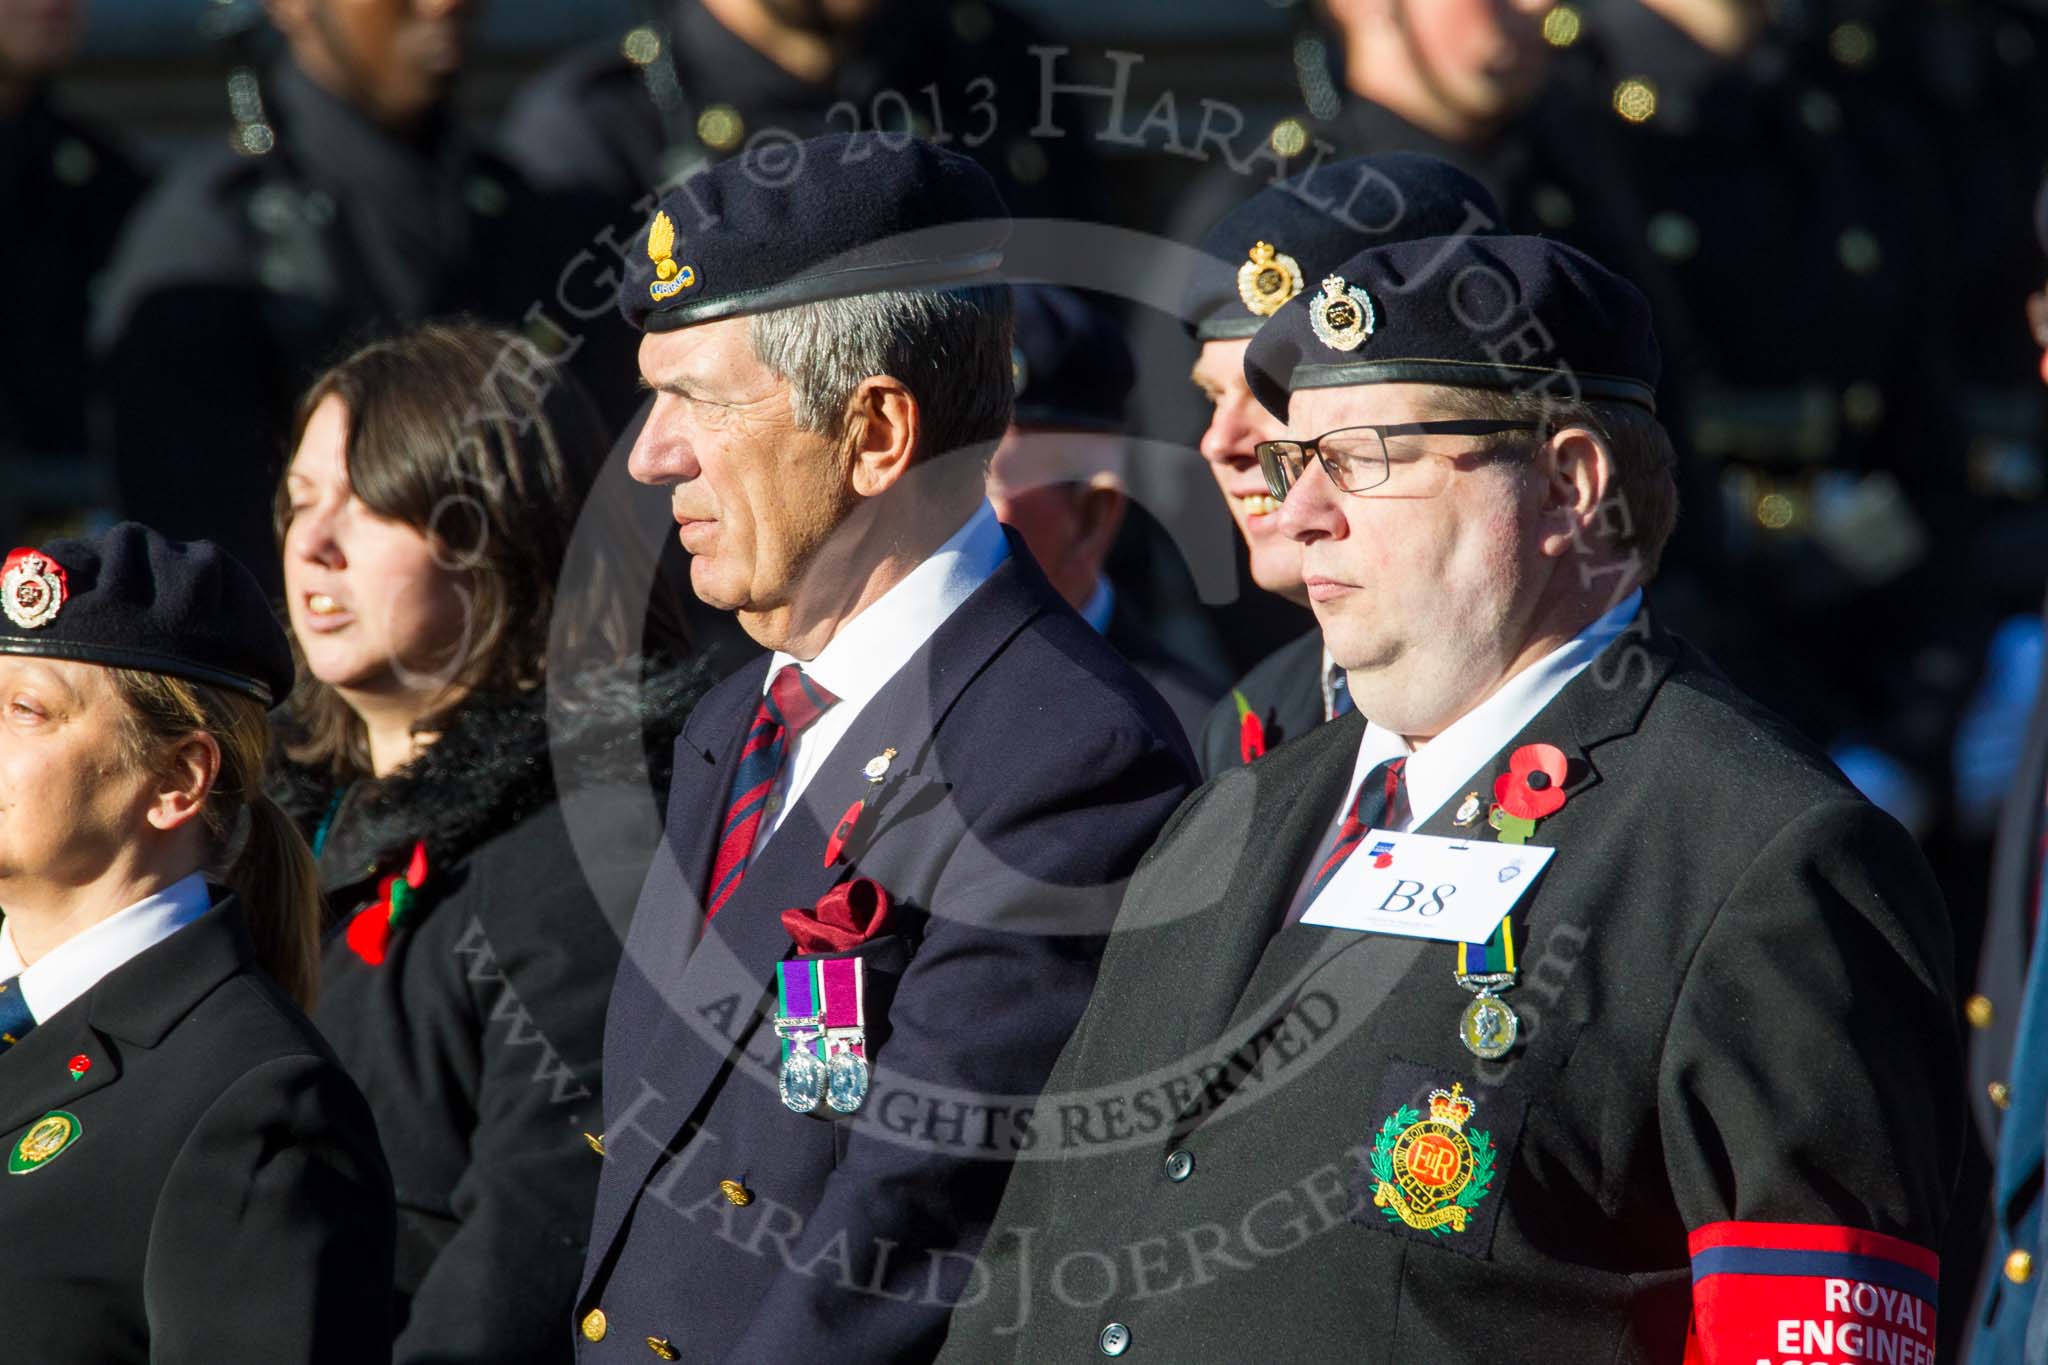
pixel 1263 252
pixel 133 599
pixel 797 222
pixel 1072 367
pixel 1509 313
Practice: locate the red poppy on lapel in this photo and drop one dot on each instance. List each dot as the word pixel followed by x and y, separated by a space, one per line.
pixel 845 917
pixel 79 1065
pixel 369 933
pixel 1251 731
pixel 843 831
pixel 1533 785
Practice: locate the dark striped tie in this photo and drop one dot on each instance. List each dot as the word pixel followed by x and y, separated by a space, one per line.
pixel 788 708
pixel 15 1019
pixel 1382 799
pixel 1340 692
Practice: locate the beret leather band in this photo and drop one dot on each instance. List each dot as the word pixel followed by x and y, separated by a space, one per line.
pixel 137 661
pixel 941 272
pixel 1224 327
pixel 1460 374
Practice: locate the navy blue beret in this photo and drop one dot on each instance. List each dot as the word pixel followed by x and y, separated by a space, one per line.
pixel 1287 236
pixel 1072 365
pixel 794 222
pixel 130 598
pixel 1513 313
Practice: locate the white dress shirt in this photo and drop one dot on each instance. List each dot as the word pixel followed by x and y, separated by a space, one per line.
pixel 76 965
pixel 1436 770
pixel 874 646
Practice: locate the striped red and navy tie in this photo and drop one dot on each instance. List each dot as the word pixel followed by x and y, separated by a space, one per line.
pixel 1382 799
pixel 791 703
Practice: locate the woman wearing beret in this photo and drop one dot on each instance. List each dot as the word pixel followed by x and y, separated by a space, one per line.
pixel 482 827
pixel 191 1176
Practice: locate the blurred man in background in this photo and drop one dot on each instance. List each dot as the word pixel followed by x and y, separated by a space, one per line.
pixel 352 203
pixel 65 188
pixel 702 79
pixel 1057 478
pixel 2008 1018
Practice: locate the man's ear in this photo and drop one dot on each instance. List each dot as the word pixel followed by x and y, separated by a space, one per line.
pixel 1577 468
pixel 1099 507
pixel 189 775
pixel 884 430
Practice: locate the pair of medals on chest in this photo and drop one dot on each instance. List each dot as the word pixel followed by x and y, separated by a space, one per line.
pixel 821 1006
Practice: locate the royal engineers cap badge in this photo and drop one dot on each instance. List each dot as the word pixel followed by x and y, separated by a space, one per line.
pixel 32 589
pixel 1267 279
pixel 1341 319
pixel 669 279
pixel 1432 1172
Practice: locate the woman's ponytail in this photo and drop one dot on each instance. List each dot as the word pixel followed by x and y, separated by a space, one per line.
pixel 272 872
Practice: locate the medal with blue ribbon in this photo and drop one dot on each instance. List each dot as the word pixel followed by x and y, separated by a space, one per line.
pixel 1489 1025
pixel 821 1017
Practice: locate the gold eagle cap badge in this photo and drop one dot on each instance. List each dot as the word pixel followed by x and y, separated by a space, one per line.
pixel 1268 278
pixel 1340 318
pixel 670 279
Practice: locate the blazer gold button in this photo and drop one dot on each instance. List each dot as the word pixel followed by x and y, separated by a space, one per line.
pixel 594 1325
pixel 596 1141
pixel 1977 1009
pixel 662 1347
pixel 2019 1267
pixel 2000 1093
pixel 738 1193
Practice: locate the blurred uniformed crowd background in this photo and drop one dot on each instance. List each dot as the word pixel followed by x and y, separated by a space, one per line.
pixel 1830 203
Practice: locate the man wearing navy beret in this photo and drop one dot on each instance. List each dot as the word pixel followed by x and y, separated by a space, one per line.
pixel 893 846
pixel 1559 1003
pixel 1260 255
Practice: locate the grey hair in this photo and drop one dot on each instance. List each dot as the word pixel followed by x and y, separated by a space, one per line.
pixel 950 348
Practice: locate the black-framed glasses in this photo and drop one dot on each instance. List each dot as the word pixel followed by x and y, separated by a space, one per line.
pixel 1359 459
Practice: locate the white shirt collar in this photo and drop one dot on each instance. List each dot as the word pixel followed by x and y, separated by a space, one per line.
pixel 1436 769
pixel 76 965
pixel 1100 606
pixel 874 646
pixel 870 648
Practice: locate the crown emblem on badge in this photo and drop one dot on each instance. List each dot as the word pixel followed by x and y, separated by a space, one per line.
pixel 669 279
pixel 32 589
pixel 1341 319
pixel 1450 1106
pixel 1267 279
pixel 1431 1173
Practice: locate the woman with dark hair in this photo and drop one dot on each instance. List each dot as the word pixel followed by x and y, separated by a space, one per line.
pixel 467 749
pixel 199 1180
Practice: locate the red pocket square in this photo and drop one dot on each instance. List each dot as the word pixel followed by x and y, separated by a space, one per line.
pixel 845 917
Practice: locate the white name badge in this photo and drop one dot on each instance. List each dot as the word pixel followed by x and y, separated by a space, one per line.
pixel 1424 886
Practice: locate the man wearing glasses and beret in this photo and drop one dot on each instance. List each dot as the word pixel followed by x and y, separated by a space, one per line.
pixel 1559 1004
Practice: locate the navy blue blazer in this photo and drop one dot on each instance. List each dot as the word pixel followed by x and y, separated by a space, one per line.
pixel 1033 770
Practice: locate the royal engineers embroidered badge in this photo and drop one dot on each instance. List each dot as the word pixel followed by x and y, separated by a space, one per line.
pixel 1432 1172
pixel 1426 1171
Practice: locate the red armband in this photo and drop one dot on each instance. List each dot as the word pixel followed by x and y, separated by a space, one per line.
pixel 1809 1294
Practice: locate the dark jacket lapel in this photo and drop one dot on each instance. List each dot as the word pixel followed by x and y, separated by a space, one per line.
pixel 135 1004
pixel 1605 701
